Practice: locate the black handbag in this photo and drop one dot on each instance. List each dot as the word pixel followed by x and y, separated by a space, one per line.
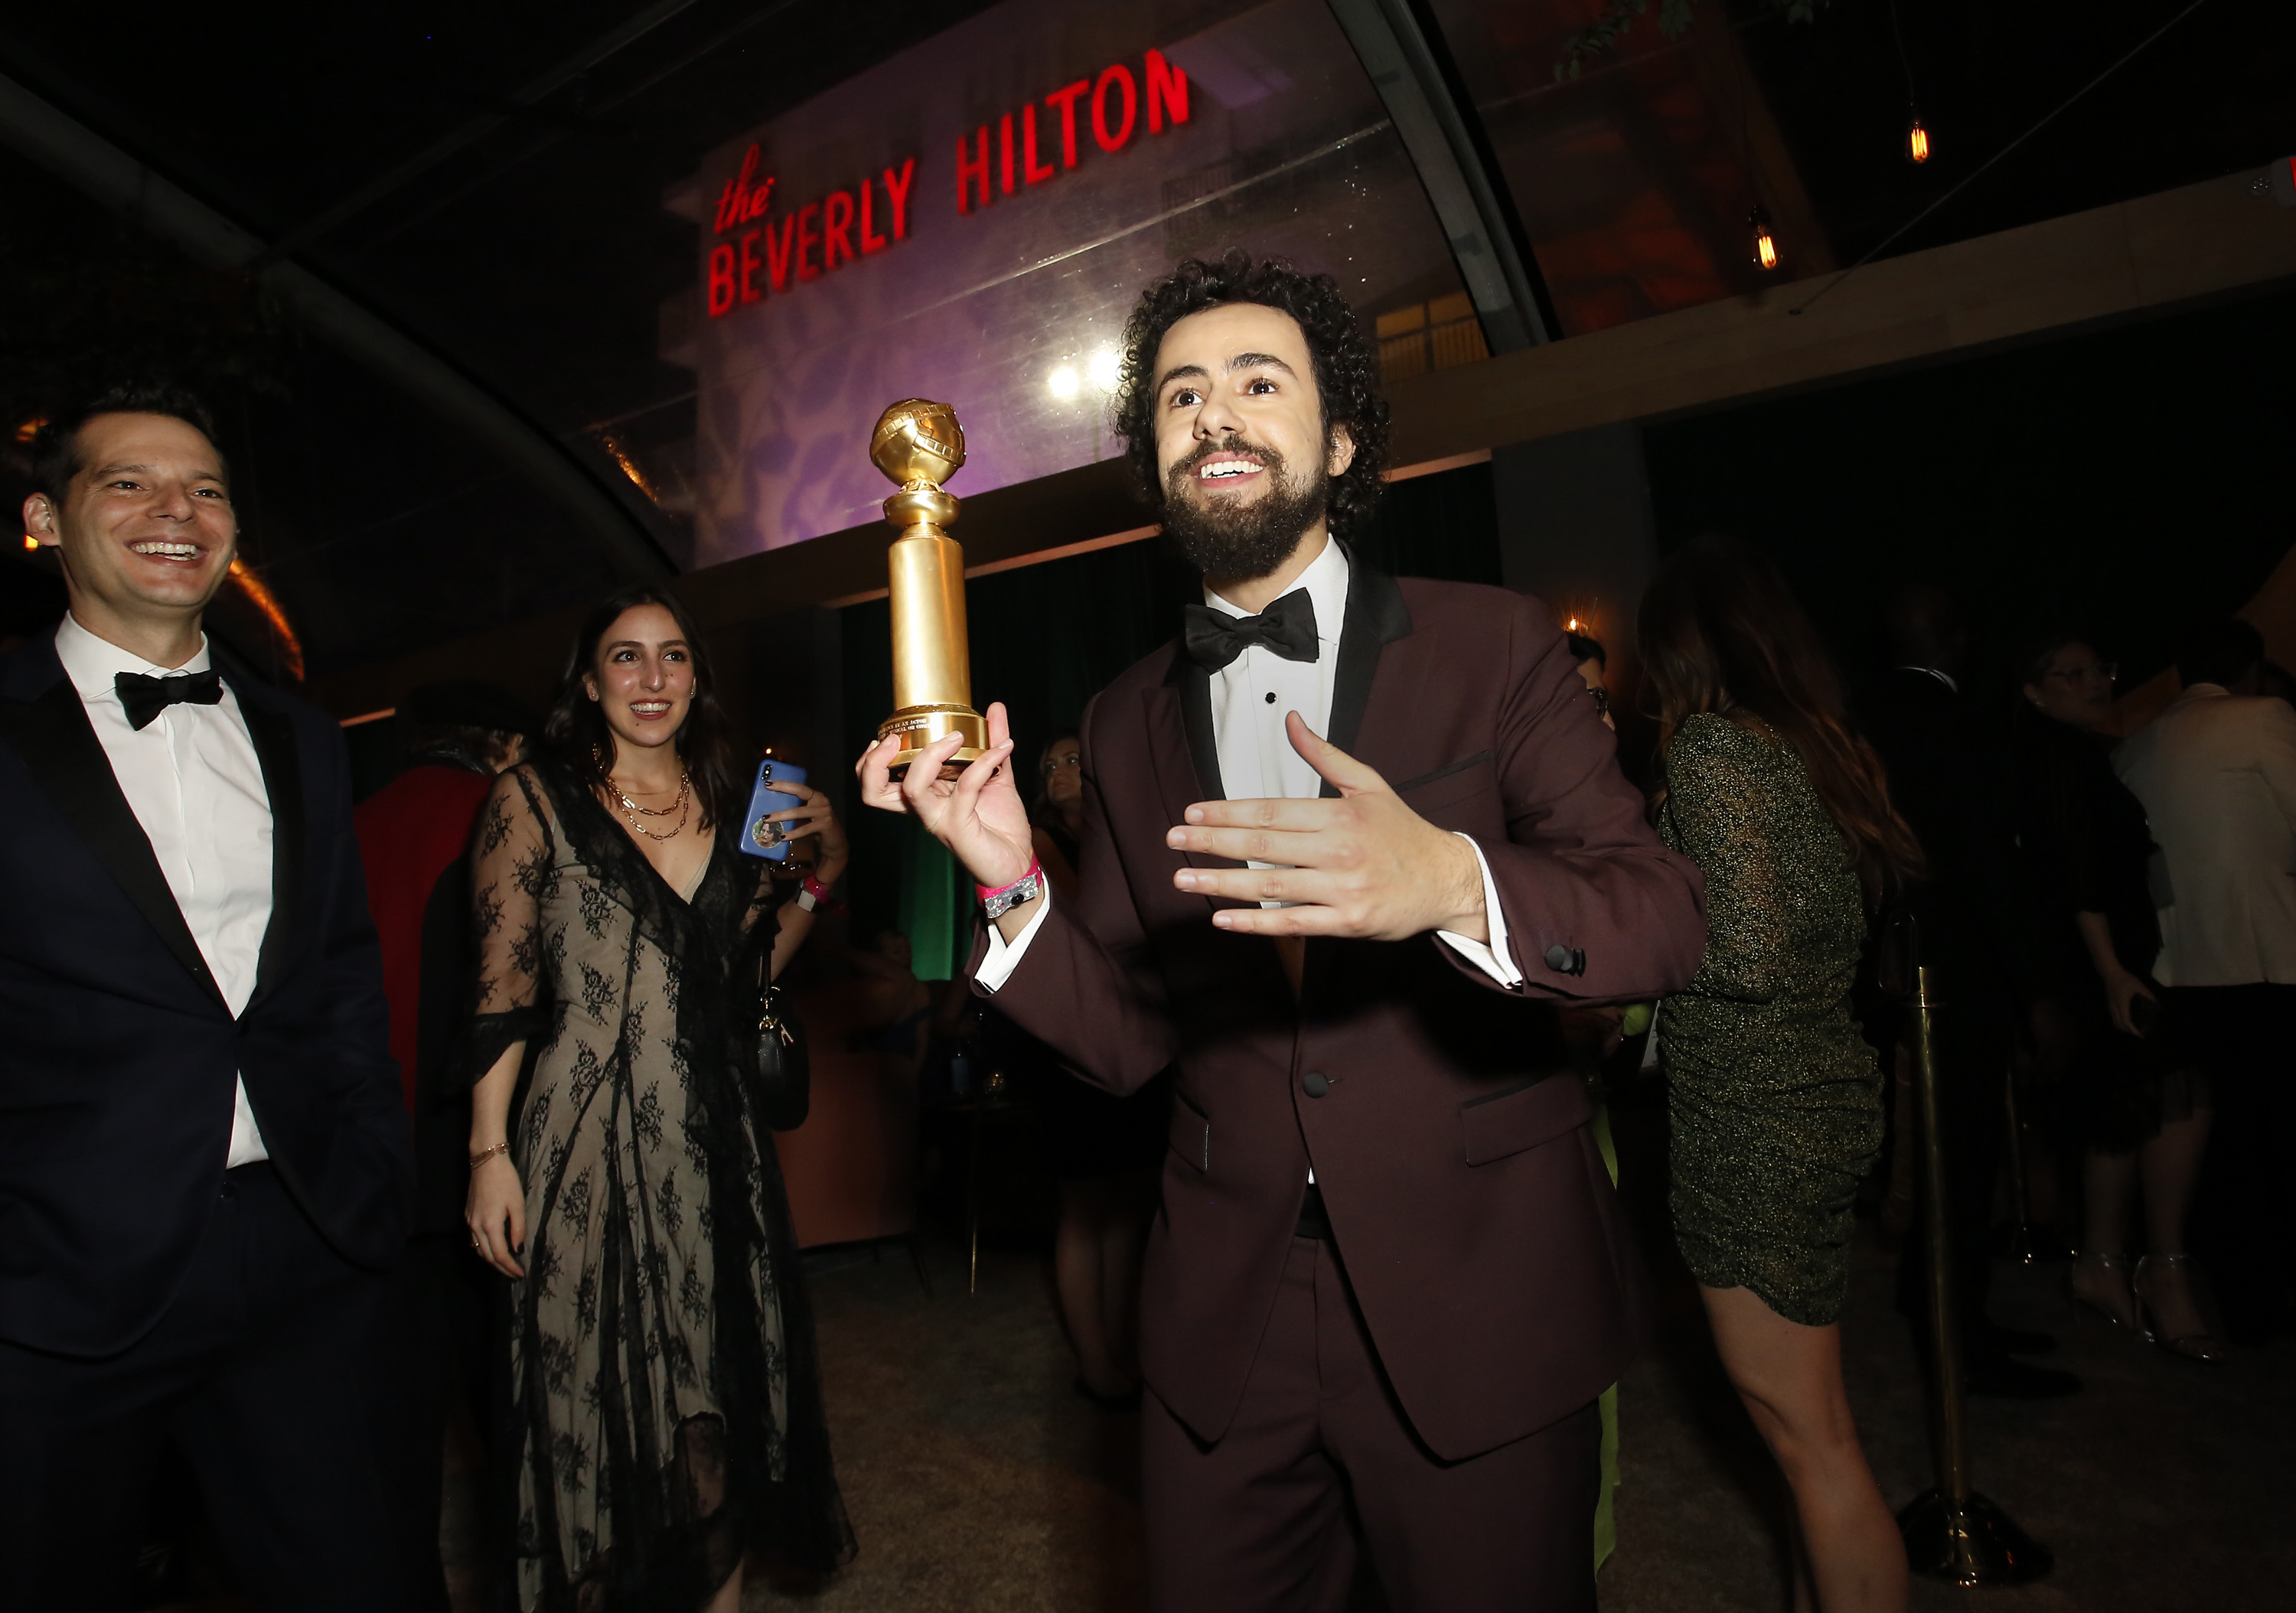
pixel 784 1069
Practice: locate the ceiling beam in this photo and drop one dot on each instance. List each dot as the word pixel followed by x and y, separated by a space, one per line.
pixel 2039 280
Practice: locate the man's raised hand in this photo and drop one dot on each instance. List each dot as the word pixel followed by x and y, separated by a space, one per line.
pixel 978 814
pixel 1365 865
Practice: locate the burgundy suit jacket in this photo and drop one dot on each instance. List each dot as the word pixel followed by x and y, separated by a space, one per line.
pixel 1468 1201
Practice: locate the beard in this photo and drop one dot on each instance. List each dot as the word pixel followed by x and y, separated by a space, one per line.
pixel 1220 537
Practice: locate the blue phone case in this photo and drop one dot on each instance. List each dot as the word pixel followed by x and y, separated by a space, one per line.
pixel 759 838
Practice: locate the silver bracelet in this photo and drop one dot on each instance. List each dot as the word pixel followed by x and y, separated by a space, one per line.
pixel 1028 889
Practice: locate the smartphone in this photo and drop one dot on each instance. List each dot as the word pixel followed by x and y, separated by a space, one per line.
pixel 759 836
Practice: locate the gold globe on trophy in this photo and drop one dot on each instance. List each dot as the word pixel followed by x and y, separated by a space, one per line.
pixel 918 445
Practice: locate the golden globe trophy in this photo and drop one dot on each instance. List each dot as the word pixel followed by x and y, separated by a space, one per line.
pixel 919 445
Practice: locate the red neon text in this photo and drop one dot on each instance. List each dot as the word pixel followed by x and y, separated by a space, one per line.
pixel 740 202
pixel 1023 154
pixel 822 236
pixel 847 225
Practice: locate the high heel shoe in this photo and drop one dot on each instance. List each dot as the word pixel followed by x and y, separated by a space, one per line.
pixel 2192 1346
pixel 2133 1319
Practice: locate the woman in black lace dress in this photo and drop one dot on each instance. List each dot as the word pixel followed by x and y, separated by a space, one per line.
pixel 667 1416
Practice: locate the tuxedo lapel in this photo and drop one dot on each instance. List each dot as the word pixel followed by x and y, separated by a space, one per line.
pixel 283 781
pixel 1376 616
pixel 1184 751
pixel 51 736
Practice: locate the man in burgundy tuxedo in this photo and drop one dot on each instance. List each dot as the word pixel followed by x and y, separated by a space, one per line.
pixel 1390 1276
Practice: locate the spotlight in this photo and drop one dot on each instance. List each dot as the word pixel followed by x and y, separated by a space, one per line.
pixel 1107 369
pixel 1766 244
pixel 1917 142
pixel 1063 381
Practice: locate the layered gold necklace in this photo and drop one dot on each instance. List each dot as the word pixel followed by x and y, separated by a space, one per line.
pixel 637 814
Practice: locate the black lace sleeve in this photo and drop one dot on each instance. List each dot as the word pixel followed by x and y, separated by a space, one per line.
pixel 512 860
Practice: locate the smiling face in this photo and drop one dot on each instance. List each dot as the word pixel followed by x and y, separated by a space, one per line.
pixel 643 677
pixel 2077 688
pixel 1242 444
pixel 145 531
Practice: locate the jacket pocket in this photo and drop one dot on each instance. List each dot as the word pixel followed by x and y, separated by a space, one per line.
pixel 1462 780
pixel 1191 1133
pixel 1530 1115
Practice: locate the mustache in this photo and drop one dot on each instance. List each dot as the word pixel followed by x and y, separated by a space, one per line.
pixel 1188 464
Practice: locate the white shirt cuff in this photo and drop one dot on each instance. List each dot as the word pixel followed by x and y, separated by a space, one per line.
pixel 1493 957
pixel 1003 956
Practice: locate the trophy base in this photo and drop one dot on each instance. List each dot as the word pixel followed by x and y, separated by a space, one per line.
pixel 919 726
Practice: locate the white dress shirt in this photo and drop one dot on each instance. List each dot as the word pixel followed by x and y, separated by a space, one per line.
pixel 1249 698
pixel 193 778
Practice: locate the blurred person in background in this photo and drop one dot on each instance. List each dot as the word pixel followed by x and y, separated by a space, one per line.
pixel 2217 774
pixel 1594 665
pixel 1103 1150
pixel 2134 1106
pixel 667 1413
pixel 414 837
pixel 1950 779
pixel 1773 1095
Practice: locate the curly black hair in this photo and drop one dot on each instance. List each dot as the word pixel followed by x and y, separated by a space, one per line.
pixel 1346 367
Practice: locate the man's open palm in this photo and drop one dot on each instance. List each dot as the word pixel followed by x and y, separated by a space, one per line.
pixel 1364 865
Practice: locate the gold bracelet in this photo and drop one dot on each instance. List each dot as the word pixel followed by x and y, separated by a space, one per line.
pixel 480 1159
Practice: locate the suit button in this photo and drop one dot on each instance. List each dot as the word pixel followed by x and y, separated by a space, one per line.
pixel 1316 1082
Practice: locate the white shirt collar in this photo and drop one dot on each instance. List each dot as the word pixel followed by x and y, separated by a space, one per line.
pixel 1943 677
pixel 1326 579
pixel 92 662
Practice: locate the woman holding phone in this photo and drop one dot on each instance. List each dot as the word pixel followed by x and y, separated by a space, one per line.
pixel 667 1406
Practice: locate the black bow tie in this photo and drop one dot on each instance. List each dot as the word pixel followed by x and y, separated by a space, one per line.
pixel 1288 627
pixel 145 698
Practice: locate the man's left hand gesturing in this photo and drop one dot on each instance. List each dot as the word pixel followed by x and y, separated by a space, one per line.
pixel 1364 866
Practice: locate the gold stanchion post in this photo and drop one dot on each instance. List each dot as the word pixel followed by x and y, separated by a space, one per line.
pixel 1952 1533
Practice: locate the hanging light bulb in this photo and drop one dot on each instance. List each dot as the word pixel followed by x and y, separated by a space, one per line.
pixel 1766 244
pixel 1917 141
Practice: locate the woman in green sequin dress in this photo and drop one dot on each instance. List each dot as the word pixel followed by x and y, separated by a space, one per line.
pixel 1773 1095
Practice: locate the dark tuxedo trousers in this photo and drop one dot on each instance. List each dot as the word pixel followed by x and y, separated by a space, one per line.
pixel 141 1290
pixel 1476 1234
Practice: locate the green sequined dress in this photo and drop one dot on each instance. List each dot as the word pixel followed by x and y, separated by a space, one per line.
pixel 1773 1095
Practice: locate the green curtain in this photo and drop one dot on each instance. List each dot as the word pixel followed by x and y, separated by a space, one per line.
pixel 936 906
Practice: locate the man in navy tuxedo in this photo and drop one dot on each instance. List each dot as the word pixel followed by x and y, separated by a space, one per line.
pixel 203 1158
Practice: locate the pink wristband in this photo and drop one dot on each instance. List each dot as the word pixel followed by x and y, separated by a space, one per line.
pixel 988 893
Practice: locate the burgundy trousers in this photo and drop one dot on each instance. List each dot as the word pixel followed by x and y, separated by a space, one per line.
pixel 1320 1457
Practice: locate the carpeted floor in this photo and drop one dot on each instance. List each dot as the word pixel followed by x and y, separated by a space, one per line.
pixel 977 1480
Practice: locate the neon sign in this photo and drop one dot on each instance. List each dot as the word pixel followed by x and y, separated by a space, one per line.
pixel 843 225
pixel 847 225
